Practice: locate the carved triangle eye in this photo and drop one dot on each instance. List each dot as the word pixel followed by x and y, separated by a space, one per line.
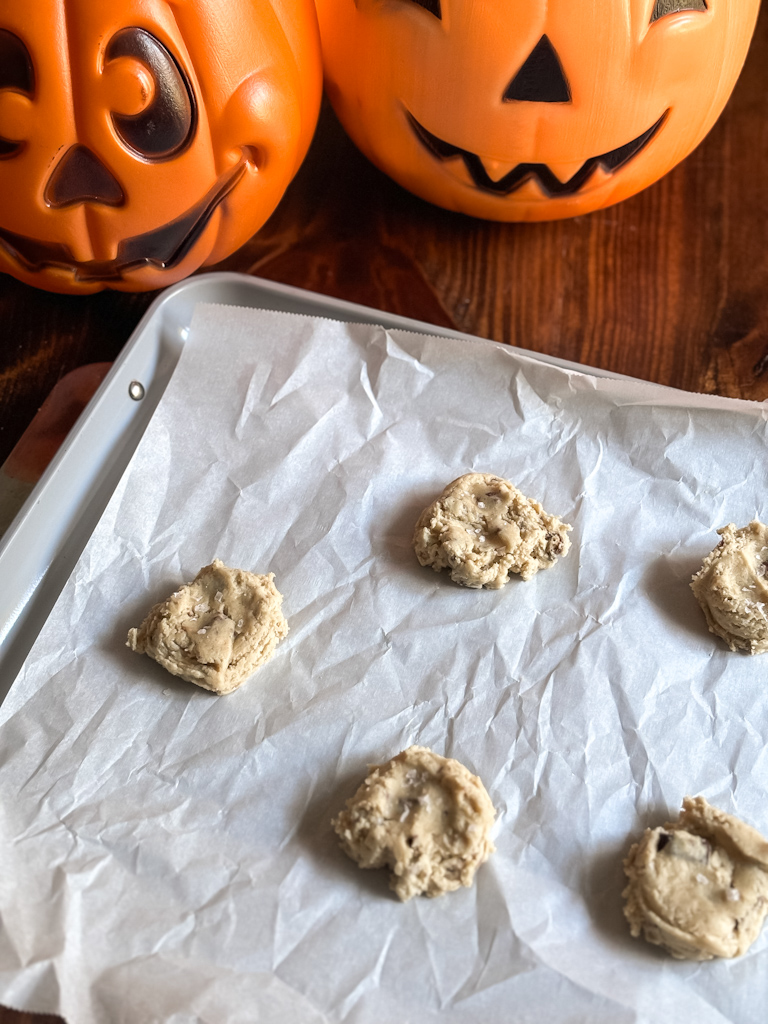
pixel 433 6
pixel 664 7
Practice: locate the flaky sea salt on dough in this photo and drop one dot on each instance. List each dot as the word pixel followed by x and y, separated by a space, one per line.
pixel 732 587
pixel 216 631
pixel 482 529
pixel 699 885
pixel 425 817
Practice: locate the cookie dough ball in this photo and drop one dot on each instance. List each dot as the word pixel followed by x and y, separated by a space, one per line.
pixel 698 886
pixel 423 816
pixel 482 529
pixel 732 588
pixel 215 631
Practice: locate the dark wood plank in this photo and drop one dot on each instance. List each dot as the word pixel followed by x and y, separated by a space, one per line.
pixel 13 1017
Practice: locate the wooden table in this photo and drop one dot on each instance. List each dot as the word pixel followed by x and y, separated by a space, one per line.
pixel 670 286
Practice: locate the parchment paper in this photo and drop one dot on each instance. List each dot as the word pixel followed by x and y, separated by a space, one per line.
pixel 166 854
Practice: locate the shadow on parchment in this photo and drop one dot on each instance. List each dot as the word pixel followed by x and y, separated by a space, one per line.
pixel 602 883
pixel 397 537
pixel 666 583
pixel 316 835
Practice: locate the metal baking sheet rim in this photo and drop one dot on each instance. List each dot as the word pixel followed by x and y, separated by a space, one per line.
pixel 44 541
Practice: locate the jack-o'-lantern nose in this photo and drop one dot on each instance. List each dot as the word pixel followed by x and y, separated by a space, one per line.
pixel 541 78
pixel 80 177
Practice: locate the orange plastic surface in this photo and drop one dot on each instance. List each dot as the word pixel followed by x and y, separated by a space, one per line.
pixel 531 109
pixel 142 139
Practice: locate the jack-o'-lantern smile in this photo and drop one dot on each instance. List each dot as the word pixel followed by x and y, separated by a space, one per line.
pixel 163 247
pixel 547 180
pixel 530 110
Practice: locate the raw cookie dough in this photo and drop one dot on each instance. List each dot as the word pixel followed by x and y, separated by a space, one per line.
pixel 698 886
pixel 215 631
pixel 482 529
pixel 732 588
pixel 425 817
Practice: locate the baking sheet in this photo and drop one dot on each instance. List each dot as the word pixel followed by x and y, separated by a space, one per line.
pixel 41 547
pixel 166 854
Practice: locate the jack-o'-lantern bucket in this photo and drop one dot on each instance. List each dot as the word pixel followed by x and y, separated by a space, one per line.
pixel 531 109
pixel 142 139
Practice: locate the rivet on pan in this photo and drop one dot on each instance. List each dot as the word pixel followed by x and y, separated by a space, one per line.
pixel 136 390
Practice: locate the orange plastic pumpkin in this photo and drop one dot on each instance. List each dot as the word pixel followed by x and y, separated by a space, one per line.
pixel 531 109
pixel 142 139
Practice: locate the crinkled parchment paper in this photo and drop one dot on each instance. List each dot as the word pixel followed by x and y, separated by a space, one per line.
pixel 166 853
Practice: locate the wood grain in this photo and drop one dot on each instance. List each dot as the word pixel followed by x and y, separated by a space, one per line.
pixel 13 1017
pixel 670 286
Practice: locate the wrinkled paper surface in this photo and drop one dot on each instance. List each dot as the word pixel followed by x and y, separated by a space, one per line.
pixel 166 853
